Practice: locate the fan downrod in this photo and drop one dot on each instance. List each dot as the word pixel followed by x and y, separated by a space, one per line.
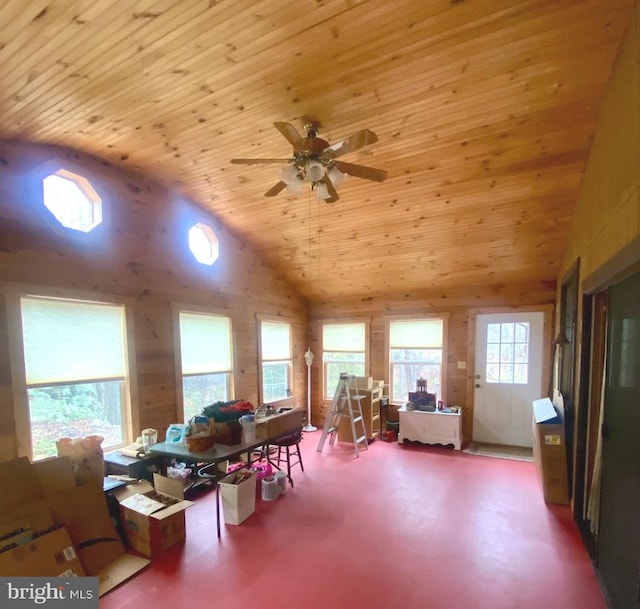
pixel 311 128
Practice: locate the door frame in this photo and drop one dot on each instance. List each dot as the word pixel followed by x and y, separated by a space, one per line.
pixel 619 267
pixel 547 329
pixel 567 355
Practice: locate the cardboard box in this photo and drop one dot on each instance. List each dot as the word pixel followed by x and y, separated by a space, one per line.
pixel 120 570
pixel 45 492
pixel 238 500
pixel 279 424
pixel 29 522
pixel 51 555
pixel 153 518
pixel 83 511
pixel 228 433
pixel 550 451
pixel 19 476
pixel 364 382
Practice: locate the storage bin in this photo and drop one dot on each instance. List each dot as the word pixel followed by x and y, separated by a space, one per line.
pixel 270 489
pixel 238 500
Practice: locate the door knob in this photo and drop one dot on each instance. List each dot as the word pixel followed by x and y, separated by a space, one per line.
pixel 477 376
pixel 477 385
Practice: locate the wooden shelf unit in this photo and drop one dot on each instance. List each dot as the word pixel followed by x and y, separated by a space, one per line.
pixel 370 405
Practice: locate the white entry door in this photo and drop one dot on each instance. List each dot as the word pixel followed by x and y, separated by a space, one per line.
pixel 507 377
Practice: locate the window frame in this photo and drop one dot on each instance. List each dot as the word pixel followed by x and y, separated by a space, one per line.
pixel 178 308
pixel 98 234
pixel 290 371
pixel 86 189
pixel 14 293
pixel 211 236
pixel 336 322
pixel 444 317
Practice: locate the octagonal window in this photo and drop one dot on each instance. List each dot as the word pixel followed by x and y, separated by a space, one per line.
pixel 72 200
pixel 203 243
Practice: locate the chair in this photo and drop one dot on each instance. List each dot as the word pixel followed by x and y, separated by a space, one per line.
pixel 291 444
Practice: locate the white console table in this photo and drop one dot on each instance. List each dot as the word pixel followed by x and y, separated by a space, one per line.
pixel 430 427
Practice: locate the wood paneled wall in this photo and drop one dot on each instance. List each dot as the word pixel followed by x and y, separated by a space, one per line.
pixel 140 255
pixel 605 234
pixel 607 216
pixel 460 305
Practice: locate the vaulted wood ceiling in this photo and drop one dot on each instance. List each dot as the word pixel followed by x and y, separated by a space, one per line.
pixel 484 109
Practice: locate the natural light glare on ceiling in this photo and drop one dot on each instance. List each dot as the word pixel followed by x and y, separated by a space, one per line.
pixel 72 200
pixel 203 243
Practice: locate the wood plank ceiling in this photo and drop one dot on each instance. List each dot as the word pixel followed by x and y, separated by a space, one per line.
pixel 484 110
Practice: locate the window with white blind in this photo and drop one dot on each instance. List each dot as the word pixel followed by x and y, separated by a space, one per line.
pixel 415 352
pixel 75 371
pixel 206 360
pixel 275 355
pixel 343 350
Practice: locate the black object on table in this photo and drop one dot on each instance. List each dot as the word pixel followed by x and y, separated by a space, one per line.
pixel 134 467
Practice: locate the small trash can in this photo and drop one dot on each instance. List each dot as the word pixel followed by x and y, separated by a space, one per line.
pixel 270 488
pixel 281 477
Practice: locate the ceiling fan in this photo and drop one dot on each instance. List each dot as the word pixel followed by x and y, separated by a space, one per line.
pixel 314 161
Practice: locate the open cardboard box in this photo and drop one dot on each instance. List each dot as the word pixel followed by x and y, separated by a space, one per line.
pixel 153 516
pixel 50 555
pixel 279 424
pixel 43 494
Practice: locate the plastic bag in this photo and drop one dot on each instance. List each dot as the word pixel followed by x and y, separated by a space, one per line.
pixel 86 456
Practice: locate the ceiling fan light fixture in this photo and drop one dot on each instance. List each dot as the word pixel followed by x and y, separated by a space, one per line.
pixel 315 171
pixel 295 186
pixel 289 174
pixel 336 176
pixel 312 162
pixel 322 191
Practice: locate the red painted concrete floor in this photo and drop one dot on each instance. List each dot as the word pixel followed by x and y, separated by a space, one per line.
pixel 403 526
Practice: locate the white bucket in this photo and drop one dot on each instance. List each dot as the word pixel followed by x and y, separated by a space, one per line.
pixel 270 488
pixel 281 477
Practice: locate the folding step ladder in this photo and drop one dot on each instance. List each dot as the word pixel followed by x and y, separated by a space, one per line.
pixel 343 406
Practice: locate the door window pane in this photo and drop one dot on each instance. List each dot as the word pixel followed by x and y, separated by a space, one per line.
pixel 493 353
pixel 507 344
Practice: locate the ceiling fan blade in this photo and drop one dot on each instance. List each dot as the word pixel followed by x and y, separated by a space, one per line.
pixel 353 142
pixel 258 161
pixel 290 132
pixel 332 191
pixel 360 171
pixel 275 189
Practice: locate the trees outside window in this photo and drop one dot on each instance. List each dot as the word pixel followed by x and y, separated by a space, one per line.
pixel 75 371
pixel 206 360
pixel 275 356
pixel 343 350
pixel 415 352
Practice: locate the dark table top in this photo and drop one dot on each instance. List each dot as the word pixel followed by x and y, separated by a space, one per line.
pixel 215 454
pixel 111 484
